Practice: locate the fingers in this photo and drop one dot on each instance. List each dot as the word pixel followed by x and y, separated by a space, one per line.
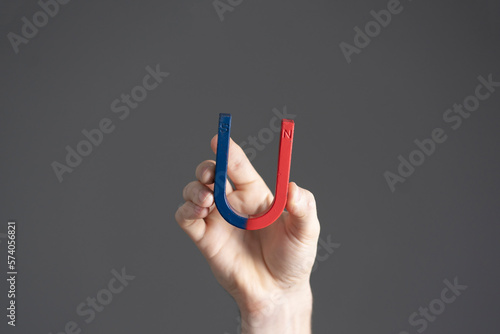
pixel 190 212
pixel 199 203
pixel 199 194
pixel 303 219
pixel 190 218
pixel 205 173
pixel 239 168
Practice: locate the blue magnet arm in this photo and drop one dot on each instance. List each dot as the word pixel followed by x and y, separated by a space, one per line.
pixel 221 174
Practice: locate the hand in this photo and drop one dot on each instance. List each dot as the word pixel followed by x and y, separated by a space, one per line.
pixel 266 271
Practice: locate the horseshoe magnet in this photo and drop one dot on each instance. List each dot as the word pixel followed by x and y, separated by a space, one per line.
pixel 280 195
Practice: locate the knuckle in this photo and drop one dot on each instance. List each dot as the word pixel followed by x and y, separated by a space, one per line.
pixel 195 211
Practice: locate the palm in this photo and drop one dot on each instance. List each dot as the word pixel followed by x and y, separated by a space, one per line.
pixel 242 259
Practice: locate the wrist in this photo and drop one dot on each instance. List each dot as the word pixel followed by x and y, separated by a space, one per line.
pixel 281 311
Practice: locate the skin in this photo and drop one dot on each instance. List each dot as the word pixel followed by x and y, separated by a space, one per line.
pixel 266 271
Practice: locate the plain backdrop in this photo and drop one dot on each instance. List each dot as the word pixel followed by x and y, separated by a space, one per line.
pixel 116 209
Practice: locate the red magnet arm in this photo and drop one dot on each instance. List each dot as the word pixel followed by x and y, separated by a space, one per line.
pixel 282 179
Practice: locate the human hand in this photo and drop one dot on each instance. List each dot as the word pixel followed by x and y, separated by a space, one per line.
pixel 266 271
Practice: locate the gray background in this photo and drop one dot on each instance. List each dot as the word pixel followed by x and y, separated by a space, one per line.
pixel 352 121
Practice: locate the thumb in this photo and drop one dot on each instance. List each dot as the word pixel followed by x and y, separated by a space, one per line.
pixel 303 219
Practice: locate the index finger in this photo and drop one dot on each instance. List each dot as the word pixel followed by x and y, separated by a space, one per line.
pixel 239 169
